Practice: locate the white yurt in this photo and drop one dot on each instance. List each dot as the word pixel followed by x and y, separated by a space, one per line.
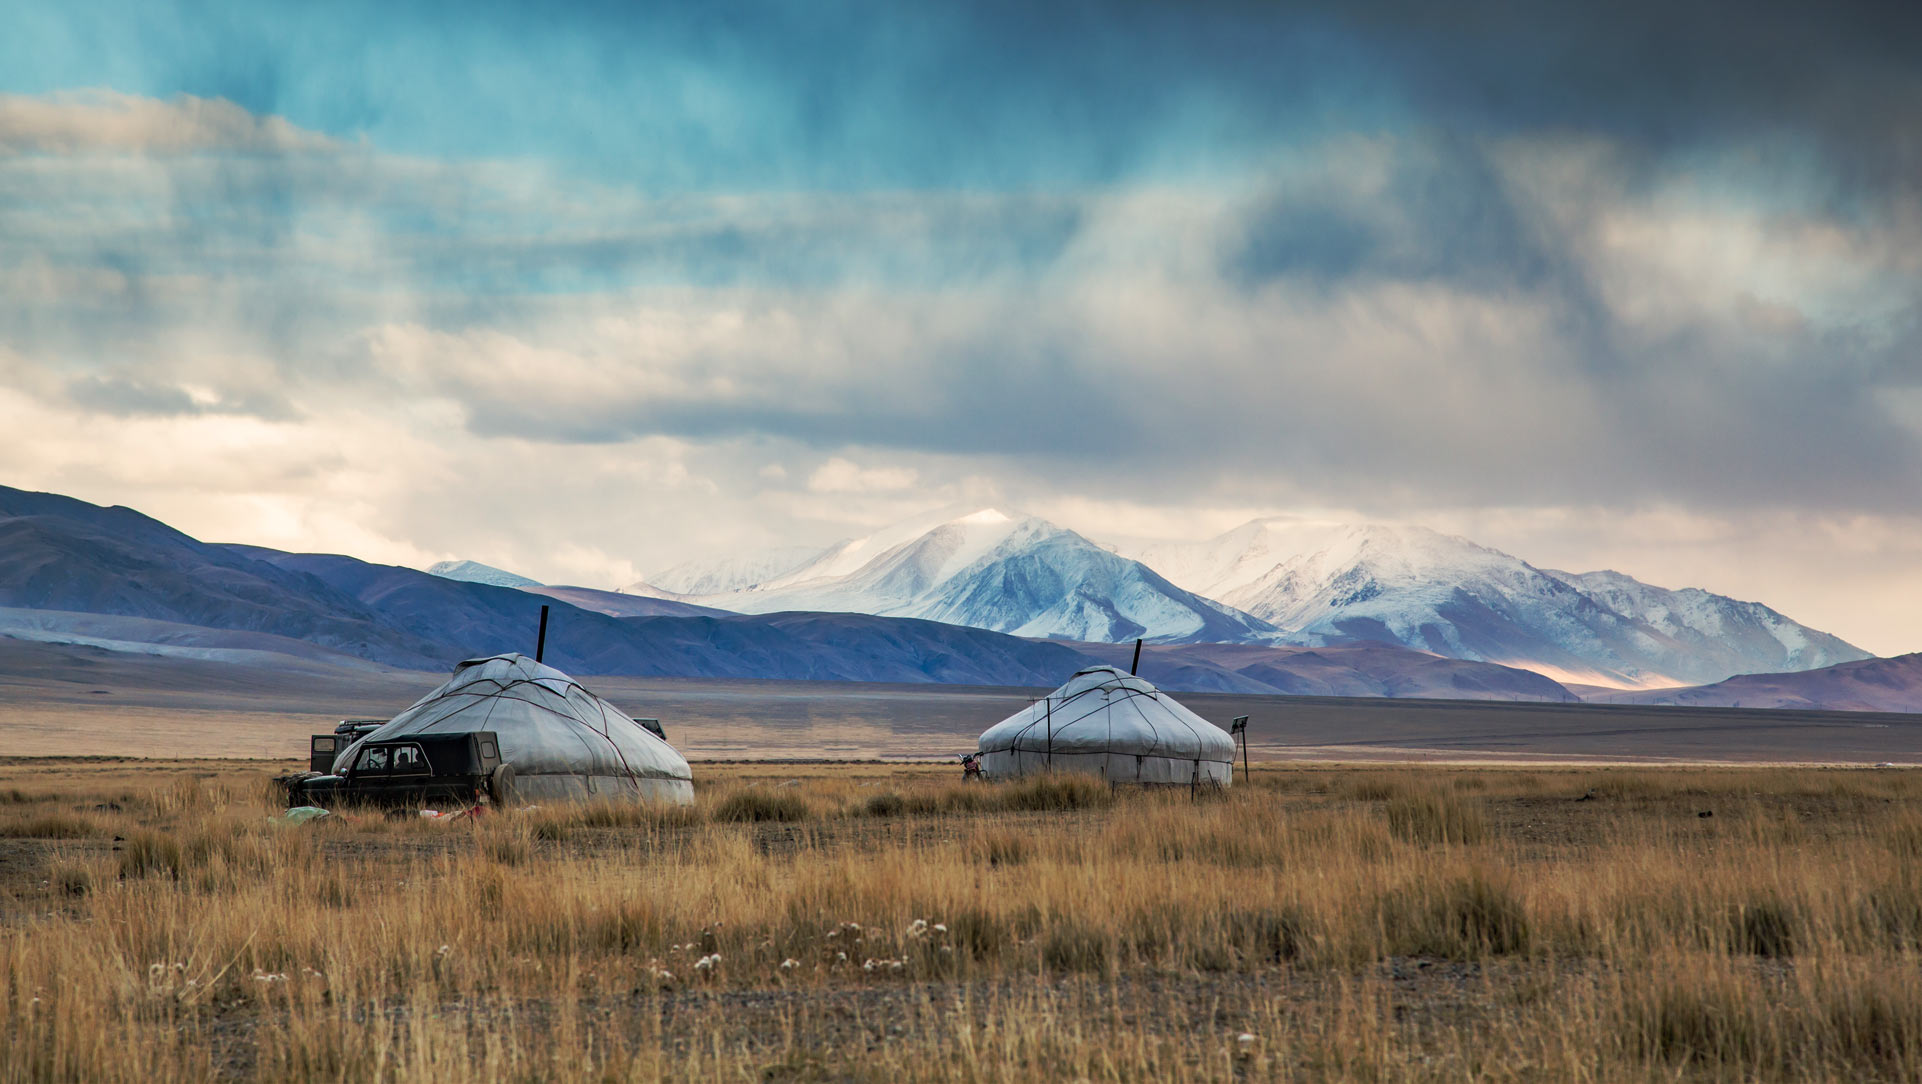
pixel 562 740
pixel 1112 724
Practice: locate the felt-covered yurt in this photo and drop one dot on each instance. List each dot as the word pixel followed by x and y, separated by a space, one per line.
pixel 1113 724
pixel 563 741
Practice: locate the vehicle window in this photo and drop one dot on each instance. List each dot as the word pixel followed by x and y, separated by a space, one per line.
pixel 488 751
pixel 373 760
pixel 409 759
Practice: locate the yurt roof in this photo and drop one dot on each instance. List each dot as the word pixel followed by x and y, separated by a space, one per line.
pixel 1103 709
pixel 548 723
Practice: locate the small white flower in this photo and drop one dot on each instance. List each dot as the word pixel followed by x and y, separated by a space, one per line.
pixel 840 957
pixel 790 964
pixel 940 927
pixel 269 976
pixel 896 966
pixel 441 952
pixel 918 928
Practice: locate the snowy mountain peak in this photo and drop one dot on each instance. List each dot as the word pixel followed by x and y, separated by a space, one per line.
pixel 998 570
pixel 1764 640
pixel 977 529
pixel 985 516
pixel 1406 584
pixel 1322 582
pixel 1231 564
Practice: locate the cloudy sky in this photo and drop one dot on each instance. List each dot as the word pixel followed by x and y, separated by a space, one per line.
pixel 587 290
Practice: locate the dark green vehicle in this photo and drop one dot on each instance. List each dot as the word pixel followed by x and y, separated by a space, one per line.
pixel 442 771
pixel 322 748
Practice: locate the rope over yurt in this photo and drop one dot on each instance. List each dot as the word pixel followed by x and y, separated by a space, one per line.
pixel 563 741
pixel 1112 724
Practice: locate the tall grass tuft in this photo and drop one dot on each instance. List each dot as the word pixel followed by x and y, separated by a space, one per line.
pixel 1465 917
pixel 1055 792
pixel 1765 927
pixel 1073 945
pixel 149 854
pixel 1436 819
pixel 756 804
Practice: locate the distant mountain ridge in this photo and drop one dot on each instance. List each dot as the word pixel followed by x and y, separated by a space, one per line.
pixel 1280 581
pixel 72 572
pixel 1743 637
pixel 1335 583
pixel 1891 684
pixel 60 554
pixel 1014 574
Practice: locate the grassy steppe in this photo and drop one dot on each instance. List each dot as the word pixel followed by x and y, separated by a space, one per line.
pixel 886 923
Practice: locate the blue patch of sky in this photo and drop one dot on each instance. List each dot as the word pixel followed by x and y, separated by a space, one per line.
pixel 748 96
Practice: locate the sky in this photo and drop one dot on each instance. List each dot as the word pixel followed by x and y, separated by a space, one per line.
pixel 588 290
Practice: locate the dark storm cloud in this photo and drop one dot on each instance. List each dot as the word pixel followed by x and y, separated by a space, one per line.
pixel 873 94
pixel 1669 76
pixel 1444 213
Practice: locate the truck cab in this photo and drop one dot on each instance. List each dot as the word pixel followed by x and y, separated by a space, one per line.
pixel 415 770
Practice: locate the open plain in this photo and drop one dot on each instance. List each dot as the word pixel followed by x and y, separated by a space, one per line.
pixel 69 700
pixel 1402 890
pixel 885 922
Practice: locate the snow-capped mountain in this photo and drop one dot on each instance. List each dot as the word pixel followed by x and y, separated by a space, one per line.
pixel 717 577
pixel 475 572
pixel 992 570
pixel 1330 583
pixel 1748 637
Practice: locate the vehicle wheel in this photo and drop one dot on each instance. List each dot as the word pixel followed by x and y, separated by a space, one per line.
pixel 500 785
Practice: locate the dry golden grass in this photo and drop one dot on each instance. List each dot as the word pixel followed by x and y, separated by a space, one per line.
pixel 879 923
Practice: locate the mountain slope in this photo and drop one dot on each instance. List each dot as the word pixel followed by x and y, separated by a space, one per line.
pixel 146 636
pixel 112 578
pixel 1360 669
pixel 1734 636
pixel 619 604
pixel 475 572
pixel 1893 684
pixel 60 554
pixel 479 619
pixel 729 574
pixel 1329 583
pixel 987 569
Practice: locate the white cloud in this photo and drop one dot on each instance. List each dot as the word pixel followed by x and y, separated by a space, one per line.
pixel 102 120
pixel 840 475
pixel 344 349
